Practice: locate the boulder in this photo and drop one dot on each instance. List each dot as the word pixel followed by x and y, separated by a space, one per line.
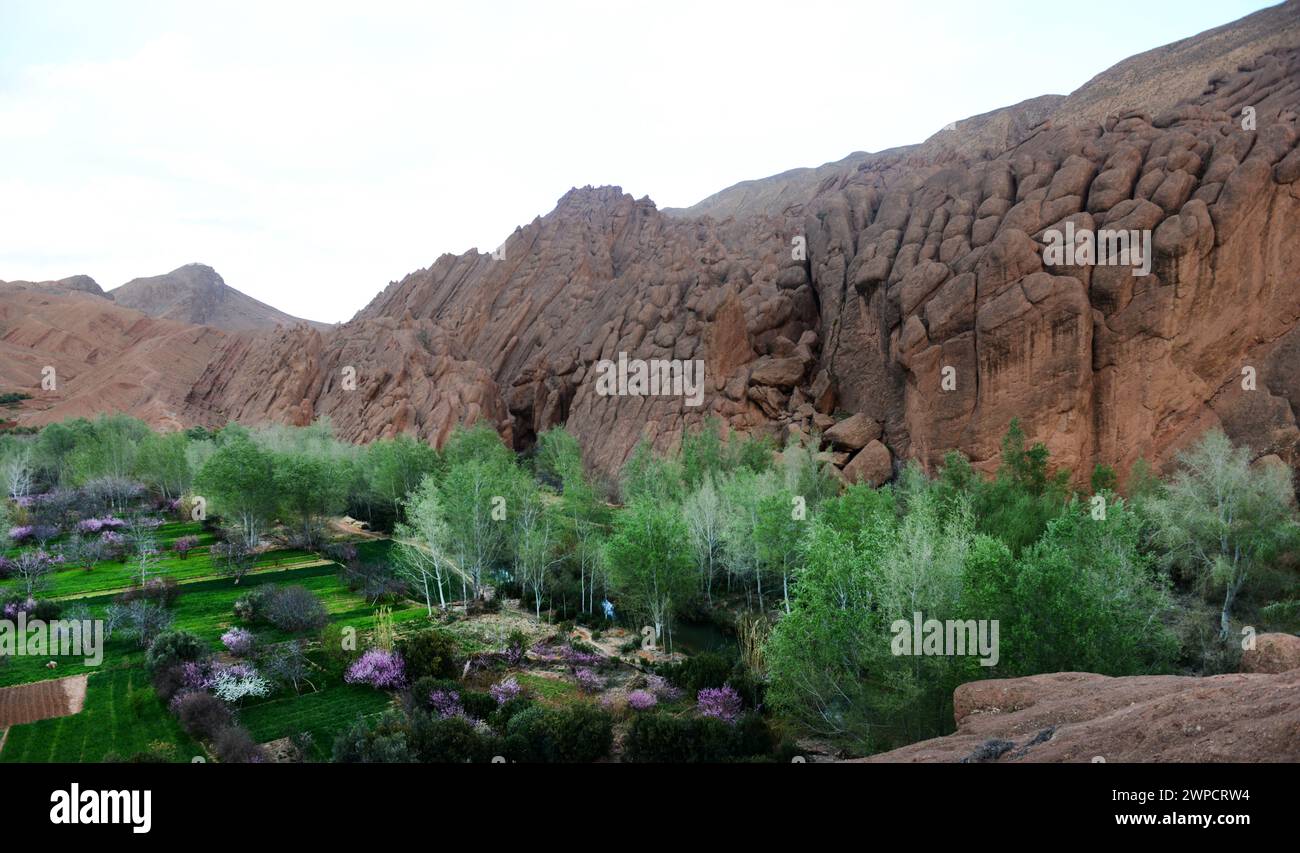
pixel 873 465
pixel 854 432
pixel 1272 653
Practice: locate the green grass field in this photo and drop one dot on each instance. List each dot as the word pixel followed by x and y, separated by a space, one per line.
pixel 110 723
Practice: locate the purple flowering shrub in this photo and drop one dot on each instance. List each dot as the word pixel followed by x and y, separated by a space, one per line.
pixel 641 700
pixel 589 681
pixel 239 641
pixel 577 659
pixel 378 668
pixel 13 608
pixel 99 525
pixel 114 545
pixel 185 545
pixel 446 704
pixel 505 690
pixel 662 689
pixel 722 703
pixel 21 533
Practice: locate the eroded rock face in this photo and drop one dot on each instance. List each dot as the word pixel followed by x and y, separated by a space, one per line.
pixel 934 270
pixel 1082 717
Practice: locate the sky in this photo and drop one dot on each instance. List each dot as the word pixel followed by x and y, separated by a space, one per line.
pixel 312 153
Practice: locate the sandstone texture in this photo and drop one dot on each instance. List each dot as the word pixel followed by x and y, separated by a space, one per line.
pixel 1272 653
pixel 1082 717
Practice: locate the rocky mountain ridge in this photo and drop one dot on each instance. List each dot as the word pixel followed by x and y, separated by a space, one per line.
pixel 901 302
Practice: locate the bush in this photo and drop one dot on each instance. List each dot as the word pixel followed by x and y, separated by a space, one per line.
pixel 451 740
pixel 433 653
pixel 239 642
pixel 699 672
pixel 580 733
pixel 184 545
pixel 478 704
pixel 661 738
pixel 295 609
pixel 201 714
pixel 169 680
pixel 160 591
pixel 234 745
pixel 172 647
pixel 386 742
pixel 721 703
pixel 378 668
pixel 501 717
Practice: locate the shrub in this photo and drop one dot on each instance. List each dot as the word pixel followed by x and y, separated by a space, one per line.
pixel 139 700
pixel 478 704
pixel 432 652
pixel 385 742
pixel 662 738
pixel 446 704
pixel 453 740
pixel 295 609
pixel 641 700
pixel 722 703
pixel 239 642
pixel 588 681
pixel 168 681
pixel 202 715
pixel 184 545
pixel 516 647
pixel 579 733
pixel 234 745
pixel 696 673
pixel 160 591
pixel 233 683
pixel 501 717
pixel 172 647
pixel 378 668
pixel 505 690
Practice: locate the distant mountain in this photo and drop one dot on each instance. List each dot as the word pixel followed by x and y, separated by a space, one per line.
pixel 71 284
pixel 197 294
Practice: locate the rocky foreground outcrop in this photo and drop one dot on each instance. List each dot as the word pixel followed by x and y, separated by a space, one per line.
pixel 1082 717
pixel 903 303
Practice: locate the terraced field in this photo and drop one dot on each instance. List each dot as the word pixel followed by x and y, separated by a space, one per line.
pixel 122 716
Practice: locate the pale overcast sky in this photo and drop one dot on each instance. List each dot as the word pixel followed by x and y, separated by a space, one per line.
pixel 312 153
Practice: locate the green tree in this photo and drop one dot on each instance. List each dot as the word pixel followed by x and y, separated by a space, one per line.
pixel 1222 520
pixel 239 480
pixel 395 467
pixel 161 463
pixel 703 512
pixel 422 552
pixel 831 663
pixel 1082 598
pixel 478 497
pixel 646 560
pixel 777 535
pixel 308 488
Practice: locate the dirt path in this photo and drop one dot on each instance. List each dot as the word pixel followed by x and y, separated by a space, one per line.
pixel 41 700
